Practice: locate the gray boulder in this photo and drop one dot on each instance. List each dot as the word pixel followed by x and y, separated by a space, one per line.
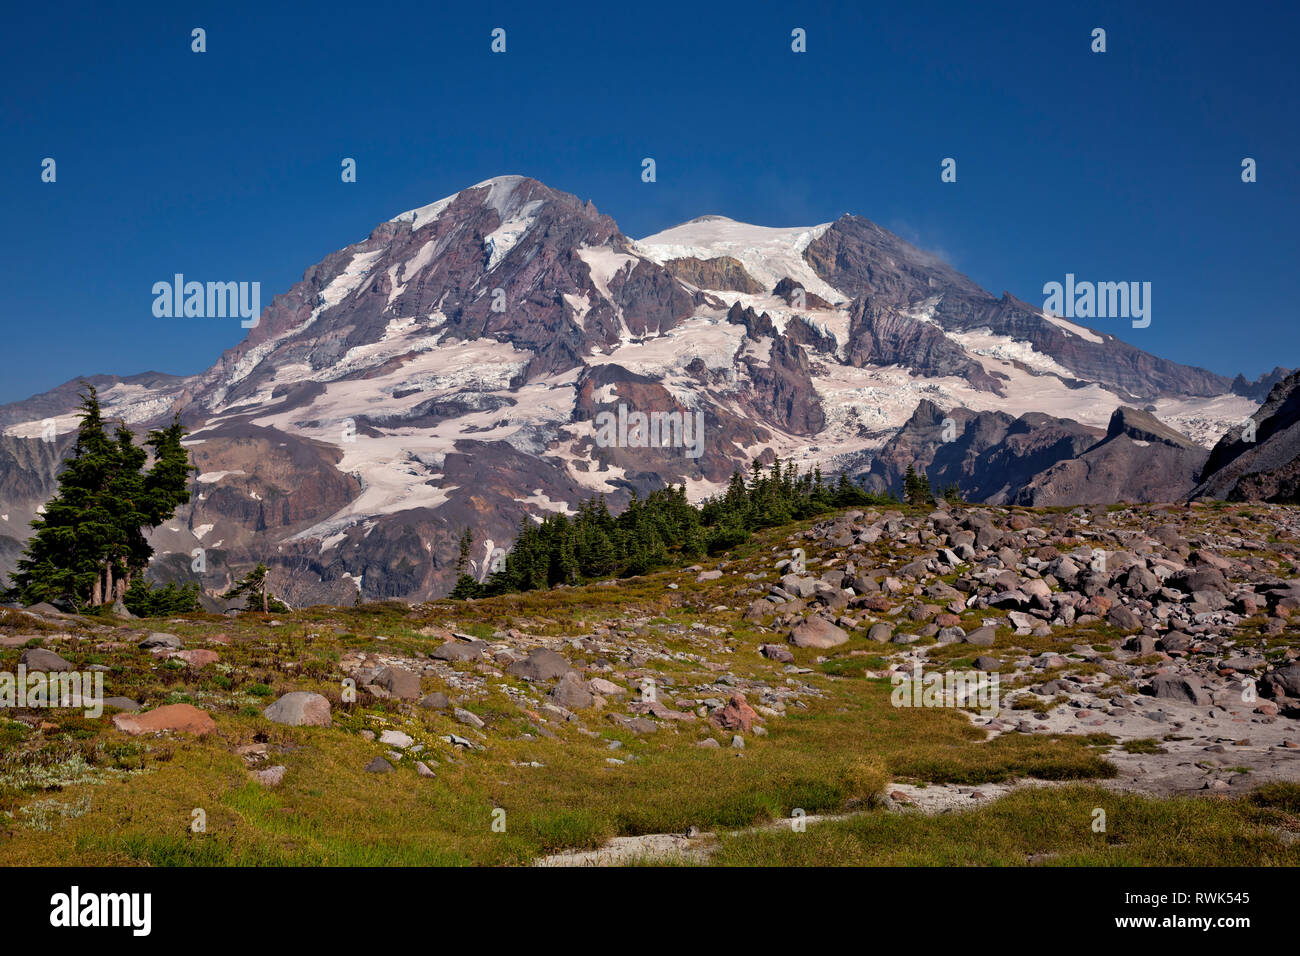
pixel 457 651
pixel 1174 686
pixel 39 659
pixel 300 709
pixel 159 639
pixel 541 664
pixel 399 682
pixel 571 692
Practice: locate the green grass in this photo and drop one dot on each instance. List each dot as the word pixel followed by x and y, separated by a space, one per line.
pixel 130 801
pixel 1041 825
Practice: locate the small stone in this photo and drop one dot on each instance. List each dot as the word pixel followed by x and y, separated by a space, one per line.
pixel 395 738
pixel 467 718
pixel 271 776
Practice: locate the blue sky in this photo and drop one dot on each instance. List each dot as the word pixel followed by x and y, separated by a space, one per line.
pixel 225 165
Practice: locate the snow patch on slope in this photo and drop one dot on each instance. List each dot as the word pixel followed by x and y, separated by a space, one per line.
pixel 768 254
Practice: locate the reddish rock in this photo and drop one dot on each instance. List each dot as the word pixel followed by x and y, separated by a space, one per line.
pixel 198 658
pixel 177 718
pixel 736 714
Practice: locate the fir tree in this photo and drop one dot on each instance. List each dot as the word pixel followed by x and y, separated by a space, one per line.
pixel 255 586
pixel 466 585
pixel 91 537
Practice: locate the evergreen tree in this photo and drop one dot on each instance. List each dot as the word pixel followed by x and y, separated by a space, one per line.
pixel 465 545
pixel 466 585
pixel 255 586
pixel 91 537
pixel 665 527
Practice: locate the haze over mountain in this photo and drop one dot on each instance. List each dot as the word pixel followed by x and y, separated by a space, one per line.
pixel 450 371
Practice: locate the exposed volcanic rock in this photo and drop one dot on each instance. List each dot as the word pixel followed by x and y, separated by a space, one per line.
pixel 756 326
pixel 783 391
pixel 720 272
pixel 990 456
pixel 802 330
pixel 511 234
pixel 1139 460
pixel 448 371
pixel 858 257
pixel 783 388
pixel 27 474
pixel 880 335
pixel 604 388
pixel 1258 389
pixel 796 296
pixel 1145 427
pixel 1268 468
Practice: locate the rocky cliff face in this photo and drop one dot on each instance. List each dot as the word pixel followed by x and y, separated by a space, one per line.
pixel 1040 460
pixel 864 260
pixel 1140 460
pixel 1266 468
pixel 989 456
pixel 452 370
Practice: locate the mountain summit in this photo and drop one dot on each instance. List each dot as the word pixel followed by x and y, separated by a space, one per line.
pixel 452 370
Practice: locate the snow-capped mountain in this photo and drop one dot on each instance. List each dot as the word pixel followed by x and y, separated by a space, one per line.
pixel 460 367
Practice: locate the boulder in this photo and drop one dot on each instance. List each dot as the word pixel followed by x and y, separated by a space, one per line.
pixel 396 738
pixel 271 776
pixel 174 718
pixel 817 632
pixel 541 664
pixel 736 714
pixel 198 658
pixel 457 651
pixel 1123 618
pixel 777 652
pixel 39 659
pixel 300 709
pixel 1283 682
pixel 571 692
pixel 1174 686
pixel 399 682
pixel 160 639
